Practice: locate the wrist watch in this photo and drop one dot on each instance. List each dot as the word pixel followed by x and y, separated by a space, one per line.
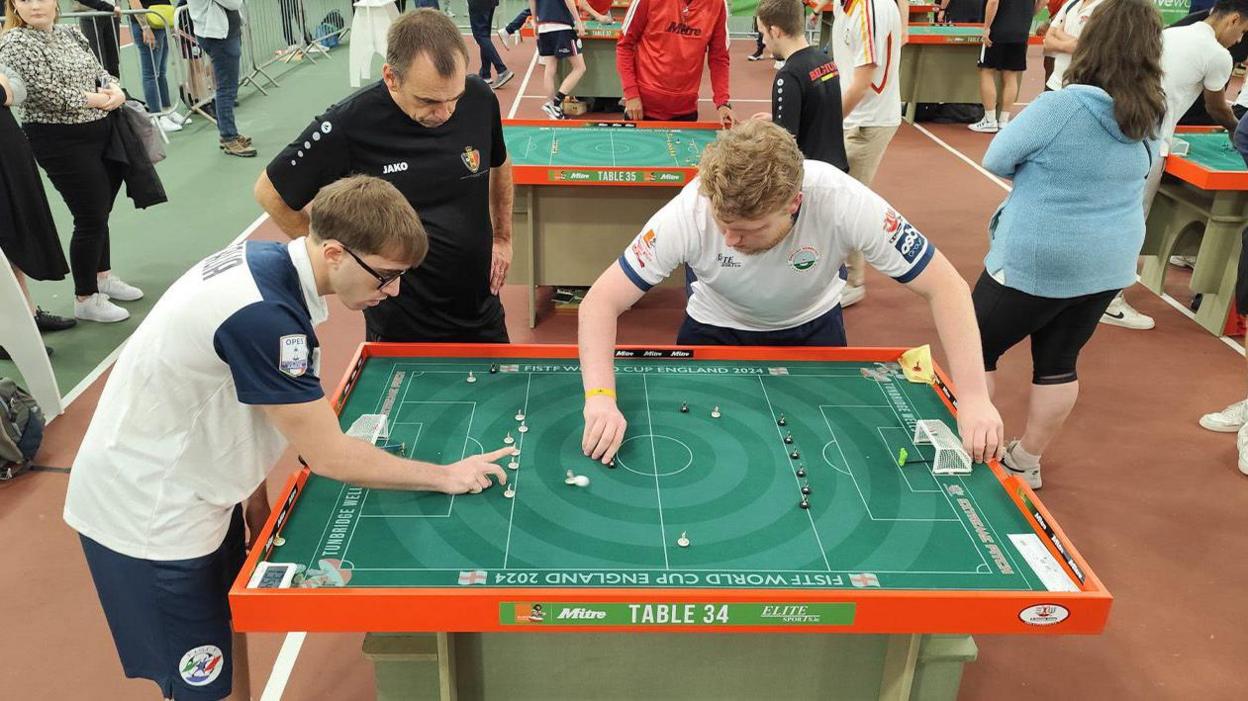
pixel 726 104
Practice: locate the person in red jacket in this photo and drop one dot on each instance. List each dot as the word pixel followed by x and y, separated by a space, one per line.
pixel 659 58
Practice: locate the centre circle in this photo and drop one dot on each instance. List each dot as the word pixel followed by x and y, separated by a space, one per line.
pixel 651 454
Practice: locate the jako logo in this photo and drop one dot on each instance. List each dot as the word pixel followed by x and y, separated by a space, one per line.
pixel 580 613
pixel 394 168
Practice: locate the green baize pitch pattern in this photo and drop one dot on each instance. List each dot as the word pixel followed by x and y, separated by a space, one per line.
pixel 1213 150
pixel 728 483
pixel 606 146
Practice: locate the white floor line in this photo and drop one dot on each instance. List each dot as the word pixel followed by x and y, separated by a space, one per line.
pixel 964 158
pixel 108 361
pixel 511 114
pixel 282 668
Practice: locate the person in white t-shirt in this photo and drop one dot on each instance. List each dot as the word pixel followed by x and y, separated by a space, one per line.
pixel 1063 35
pixel 222 375
pixel 1194 61
pixel 866 45
pixel 765 234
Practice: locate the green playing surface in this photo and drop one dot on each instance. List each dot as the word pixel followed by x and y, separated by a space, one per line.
pixel 1213 151
pixel 594 28
pixel 728 483
pixel 942 30
pixel 606 146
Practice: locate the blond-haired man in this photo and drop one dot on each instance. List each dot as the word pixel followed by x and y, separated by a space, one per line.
pixel 766 234
pixel 215 383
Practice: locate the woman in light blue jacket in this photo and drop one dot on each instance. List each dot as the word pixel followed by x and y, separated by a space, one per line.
pixel 1066 239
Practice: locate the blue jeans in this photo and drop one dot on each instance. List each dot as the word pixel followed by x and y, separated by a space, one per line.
pixel 226 55
pixel 518 21
pixel 152 61
pixel 481 20
pixel 428 3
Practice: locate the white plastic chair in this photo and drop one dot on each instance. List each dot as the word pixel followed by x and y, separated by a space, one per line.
pixel 20 337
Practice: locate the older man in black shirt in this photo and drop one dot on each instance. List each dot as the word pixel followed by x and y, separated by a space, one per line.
pixel 436 134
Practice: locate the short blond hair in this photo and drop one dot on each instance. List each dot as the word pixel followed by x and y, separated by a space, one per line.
pixel 751 170
pixel 369 216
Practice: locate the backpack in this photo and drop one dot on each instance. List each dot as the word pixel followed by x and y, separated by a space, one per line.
pixel 21 429
pixel 329 32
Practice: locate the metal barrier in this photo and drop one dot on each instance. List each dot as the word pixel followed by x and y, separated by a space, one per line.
pixel 112 36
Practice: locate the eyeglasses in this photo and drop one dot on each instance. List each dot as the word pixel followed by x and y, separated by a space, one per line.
pixel 382 280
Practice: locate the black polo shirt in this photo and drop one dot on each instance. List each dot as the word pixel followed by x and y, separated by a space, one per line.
pixel 445 173
pixel 806 100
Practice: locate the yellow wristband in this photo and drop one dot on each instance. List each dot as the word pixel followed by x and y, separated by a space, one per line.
pixel 600 391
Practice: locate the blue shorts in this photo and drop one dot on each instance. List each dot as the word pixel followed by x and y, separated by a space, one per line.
pixel 170 619
pixel 561 44
pixel 826 330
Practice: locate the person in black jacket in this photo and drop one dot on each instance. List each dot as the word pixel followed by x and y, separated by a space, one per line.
pixel 27 233
pixel 69 98
pixel 102 33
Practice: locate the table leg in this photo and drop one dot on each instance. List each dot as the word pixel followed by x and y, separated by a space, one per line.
pixel 531 224
pixel 446 667
pixel 900 659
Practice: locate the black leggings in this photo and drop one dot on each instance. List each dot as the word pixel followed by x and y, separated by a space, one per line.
pixel 1059 328
pixel 73 157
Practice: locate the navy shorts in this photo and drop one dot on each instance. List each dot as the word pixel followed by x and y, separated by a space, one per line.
pixel 170 619
pixel 560 44
pixel 826 330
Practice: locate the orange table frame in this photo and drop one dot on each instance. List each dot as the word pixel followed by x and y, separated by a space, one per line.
pixel 477 609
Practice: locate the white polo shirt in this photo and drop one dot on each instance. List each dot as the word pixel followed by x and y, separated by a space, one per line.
pixel 797 281
pixel 866 32
pixel 1192 61
pixel 178 439
pixel 1071 19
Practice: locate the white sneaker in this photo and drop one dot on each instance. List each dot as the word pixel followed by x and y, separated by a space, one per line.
pixel 118 290
pixel 1229 420
pixel 852 294
pixel 98 308
pixel 1002 121
pixel 1241 442
pixel 1122 314
pixel 179 119
pixel 505 39
pixel 1183 261
pixel 1030 475
pixel 985 126
pixel 167 125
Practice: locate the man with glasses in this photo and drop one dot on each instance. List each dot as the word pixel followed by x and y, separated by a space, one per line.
pixel 219 379
pixel 436 133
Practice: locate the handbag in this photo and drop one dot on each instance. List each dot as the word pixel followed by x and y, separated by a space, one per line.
pixel 159 16
pixel 141 122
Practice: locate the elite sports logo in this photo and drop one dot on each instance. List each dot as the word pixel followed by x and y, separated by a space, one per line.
pixel 804 258
pixel 202 665
pixel 471 158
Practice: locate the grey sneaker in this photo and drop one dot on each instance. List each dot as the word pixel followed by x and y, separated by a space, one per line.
pixel 502 79
pixel 1030 475
pixel 238 147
